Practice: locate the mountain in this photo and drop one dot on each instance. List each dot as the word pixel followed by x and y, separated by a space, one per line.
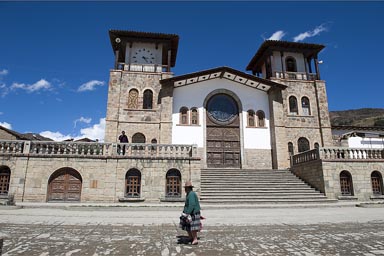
pixel 358 117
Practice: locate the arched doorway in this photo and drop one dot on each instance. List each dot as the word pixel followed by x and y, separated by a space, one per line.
pixel 223 132
pixel 5 175
pixel 65 185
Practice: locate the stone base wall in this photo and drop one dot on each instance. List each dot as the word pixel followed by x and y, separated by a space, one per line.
pixel 103 179
pixel 325 176
pixel 257 159
pixel 311 173
pixel 361 177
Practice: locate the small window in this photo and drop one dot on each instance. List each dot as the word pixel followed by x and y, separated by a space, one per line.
pixel 291 64
pixel 305 106
pixel 183 115
pixel 251 118
pixel 260 118
pixel 293 110
pixel 138 138
pixel 290 148
pixel 303 144
pixel 5 174
pixel 316 145
pixel 148 99
pixel 133 97
pixel 133 183
pixel 377 183
pixel 194 116
pixel 346 184
pixel 173 183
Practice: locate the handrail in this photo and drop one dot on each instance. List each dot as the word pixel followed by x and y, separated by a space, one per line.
pixel 338 153
pixel 75 149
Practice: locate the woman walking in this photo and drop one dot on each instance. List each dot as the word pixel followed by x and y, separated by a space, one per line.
pixel 190 218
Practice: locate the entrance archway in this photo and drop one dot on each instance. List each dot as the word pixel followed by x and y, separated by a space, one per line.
pixel 5 174
pixel 223 132
pixel 65 185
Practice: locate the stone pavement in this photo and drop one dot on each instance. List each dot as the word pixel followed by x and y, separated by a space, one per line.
pixel 152 230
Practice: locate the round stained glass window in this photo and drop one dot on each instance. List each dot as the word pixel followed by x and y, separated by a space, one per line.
pixel 222 109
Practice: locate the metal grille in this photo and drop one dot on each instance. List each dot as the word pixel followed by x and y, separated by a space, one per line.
pixel 345 185
pixel 376 184
pixel 133 186
pixel 173 186
pixel 4 183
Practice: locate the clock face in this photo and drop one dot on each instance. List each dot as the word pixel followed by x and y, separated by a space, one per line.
pixel 143 56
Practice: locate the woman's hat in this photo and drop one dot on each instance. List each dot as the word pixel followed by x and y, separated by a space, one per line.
pixel 188 184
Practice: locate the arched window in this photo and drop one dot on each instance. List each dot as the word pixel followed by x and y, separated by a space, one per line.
pixel 194 116
pixel 147 99
pixel 346 184
pixel 133 183
pixel 251 118
pixel 293 110
pixel 173 186
pixel 260 118
pixel 377 183
pixel 183 115
pixel 303 144
pixel 305 106
pixel 133 98
pixel 5 175
pixel 316 145
pixel 290 148
pixel 290 63
pixel 138 138
pixel 154 141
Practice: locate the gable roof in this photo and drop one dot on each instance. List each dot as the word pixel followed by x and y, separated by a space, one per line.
pixel 25 136
pixel 224 73
pixel 266 48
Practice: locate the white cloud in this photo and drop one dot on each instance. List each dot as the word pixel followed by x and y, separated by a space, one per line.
pixel 83 120
pixel 3 72
pixel 95 132
pixel 6 125
pixel 90 86
pixel 56 136
pixel 312 33
pixel 42 84
pixel 278 35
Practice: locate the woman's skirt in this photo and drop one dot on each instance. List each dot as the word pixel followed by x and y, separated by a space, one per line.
pixel 194 225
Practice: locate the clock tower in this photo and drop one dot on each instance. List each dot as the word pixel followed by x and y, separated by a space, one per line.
pixel 137 104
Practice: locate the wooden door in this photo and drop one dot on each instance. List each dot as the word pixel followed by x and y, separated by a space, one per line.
pixel 4 182
pixel 223 132
pixel 65 185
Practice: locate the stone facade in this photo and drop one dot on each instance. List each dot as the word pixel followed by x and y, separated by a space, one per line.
pixel 103 178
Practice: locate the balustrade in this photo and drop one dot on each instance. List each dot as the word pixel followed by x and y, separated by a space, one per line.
pixel 75 149
pixel 341 154
pixel 296 75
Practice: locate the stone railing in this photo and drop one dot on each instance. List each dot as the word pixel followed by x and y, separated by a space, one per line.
pixel 142 67
pixel 339 154
pixel 296 75
pixel 77 149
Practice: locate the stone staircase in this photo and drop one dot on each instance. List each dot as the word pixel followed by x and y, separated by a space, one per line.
pixel 237 186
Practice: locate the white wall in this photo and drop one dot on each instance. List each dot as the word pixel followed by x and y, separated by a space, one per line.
pixel 194 95
pixel 276 63
pixel 358 142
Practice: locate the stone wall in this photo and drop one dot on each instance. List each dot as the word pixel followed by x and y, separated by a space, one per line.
pixel 257 158
pixel 325 176
pixel 311 173
pixel 103 179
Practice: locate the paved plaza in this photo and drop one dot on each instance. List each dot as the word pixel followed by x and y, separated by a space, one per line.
pixel 153 230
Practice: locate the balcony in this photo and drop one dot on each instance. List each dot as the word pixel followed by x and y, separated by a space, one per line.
pixel 96 150
pixel 296 76
pixel 150 68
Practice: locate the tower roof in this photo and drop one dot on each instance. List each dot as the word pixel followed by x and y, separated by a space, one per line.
pixel 169 41
pixel 268 46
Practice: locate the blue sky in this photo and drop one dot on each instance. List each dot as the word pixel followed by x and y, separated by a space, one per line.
pixel 55 57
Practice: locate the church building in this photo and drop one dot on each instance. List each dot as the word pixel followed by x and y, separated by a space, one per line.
pixel 258 135
pixel 236 119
